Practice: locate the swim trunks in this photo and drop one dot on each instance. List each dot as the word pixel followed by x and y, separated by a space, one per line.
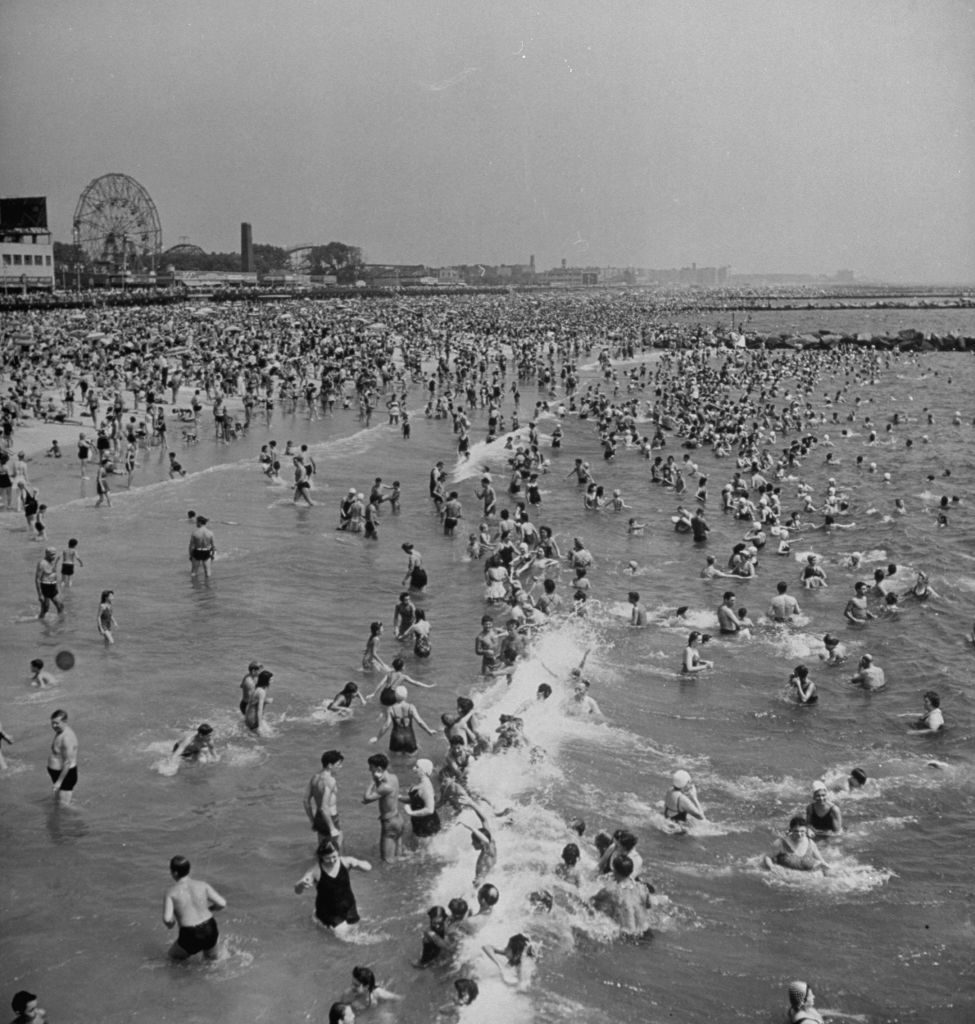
pixel 320 825
pixel 198 938
pixel 202 554
pixel 49 589
pixel 67 569
pixel 70 778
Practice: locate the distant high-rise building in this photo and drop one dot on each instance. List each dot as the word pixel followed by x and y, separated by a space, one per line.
pixel 246 249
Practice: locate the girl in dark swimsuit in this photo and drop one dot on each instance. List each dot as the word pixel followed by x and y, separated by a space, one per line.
pixel 400 718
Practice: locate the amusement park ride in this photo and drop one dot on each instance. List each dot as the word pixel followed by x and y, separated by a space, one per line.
pixel 117 225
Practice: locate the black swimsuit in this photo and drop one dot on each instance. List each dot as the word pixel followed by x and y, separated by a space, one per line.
pixel 334 899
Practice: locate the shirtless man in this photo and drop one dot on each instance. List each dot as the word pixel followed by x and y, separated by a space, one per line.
pixel 384 789
pixel 783 606
pixel 728 623
pixel 203 547
pixel 856 609
pixel 62 762
pixel 321 799
pixel 627 901
pixel 190 903
pixel 869 675
pixel 47 584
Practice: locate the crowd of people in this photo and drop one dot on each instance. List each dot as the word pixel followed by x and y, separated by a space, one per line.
pixel 466 363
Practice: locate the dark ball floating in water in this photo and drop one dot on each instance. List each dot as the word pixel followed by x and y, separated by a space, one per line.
pixel 64 660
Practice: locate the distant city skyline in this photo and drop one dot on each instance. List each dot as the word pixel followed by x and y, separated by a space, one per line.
pixel 767 136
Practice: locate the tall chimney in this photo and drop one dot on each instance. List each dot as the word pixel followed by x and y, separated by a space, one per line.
pixel 246 249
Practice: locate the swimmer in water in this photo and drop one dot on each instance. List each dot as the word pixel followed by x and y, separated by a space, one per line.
pixel 196 746
pixel 801 1008
pixel 39 677
pixel 681 799
pixel 365 992
pixel 796 850
pixel 518 954
pixel 822 815
pixel 693 662
pixel 933 720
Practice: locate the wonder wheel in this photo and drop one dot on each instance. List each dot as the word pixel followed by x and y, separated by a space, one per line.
pixel 117 224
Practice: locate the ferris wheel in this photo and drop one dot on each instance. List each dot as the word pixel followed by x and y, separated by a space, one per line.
pixel 117 225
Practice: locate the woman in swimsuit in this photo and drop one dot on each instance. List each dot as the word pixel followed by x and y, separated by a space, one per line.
pixel 370 656
pixel 692 658
pixel 365 993
pixel 422 801
pixel 519 954
pixel 681 800
pixel 801 1008
pixel 342 702
pixel 822 815
pixel 420 631
pixel 254 715
pixel 795 850
pixel 399 723
pixel 106 617
pixel 435 941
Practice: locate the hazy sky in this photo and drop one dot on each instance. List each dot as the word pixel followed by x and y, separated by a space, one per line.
pixel 778 135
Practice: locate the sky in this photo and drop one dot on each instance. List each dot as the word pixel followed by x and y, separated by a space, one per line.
pixel 765 135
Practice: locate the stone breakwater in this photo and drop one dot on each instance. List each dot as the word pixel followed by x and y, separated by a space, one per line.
pixel 908 340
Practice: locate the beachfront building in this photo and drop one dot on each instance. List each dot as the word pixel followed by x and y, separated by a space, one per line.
pixel 26 247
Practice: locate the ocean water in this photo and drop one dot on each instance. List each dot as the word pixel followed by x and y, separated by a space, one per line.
pixel 887 936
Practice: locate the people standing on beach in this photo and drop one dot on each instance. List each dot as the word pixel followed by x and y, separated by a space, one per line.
pixel 62 762
pixel 191 903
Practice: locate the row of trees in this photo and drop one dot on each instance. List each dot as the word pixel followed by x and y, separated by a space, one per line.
pixel 344 261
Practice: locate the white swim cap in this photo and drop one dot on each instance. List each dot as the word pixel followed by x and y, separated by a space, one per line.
pixel 425 766
pixel 681 779
pixel 401 692
pixel 819 786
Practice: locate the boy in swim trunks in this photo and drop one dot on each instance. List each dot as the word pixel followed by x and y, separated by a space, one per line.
pixel 189 903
